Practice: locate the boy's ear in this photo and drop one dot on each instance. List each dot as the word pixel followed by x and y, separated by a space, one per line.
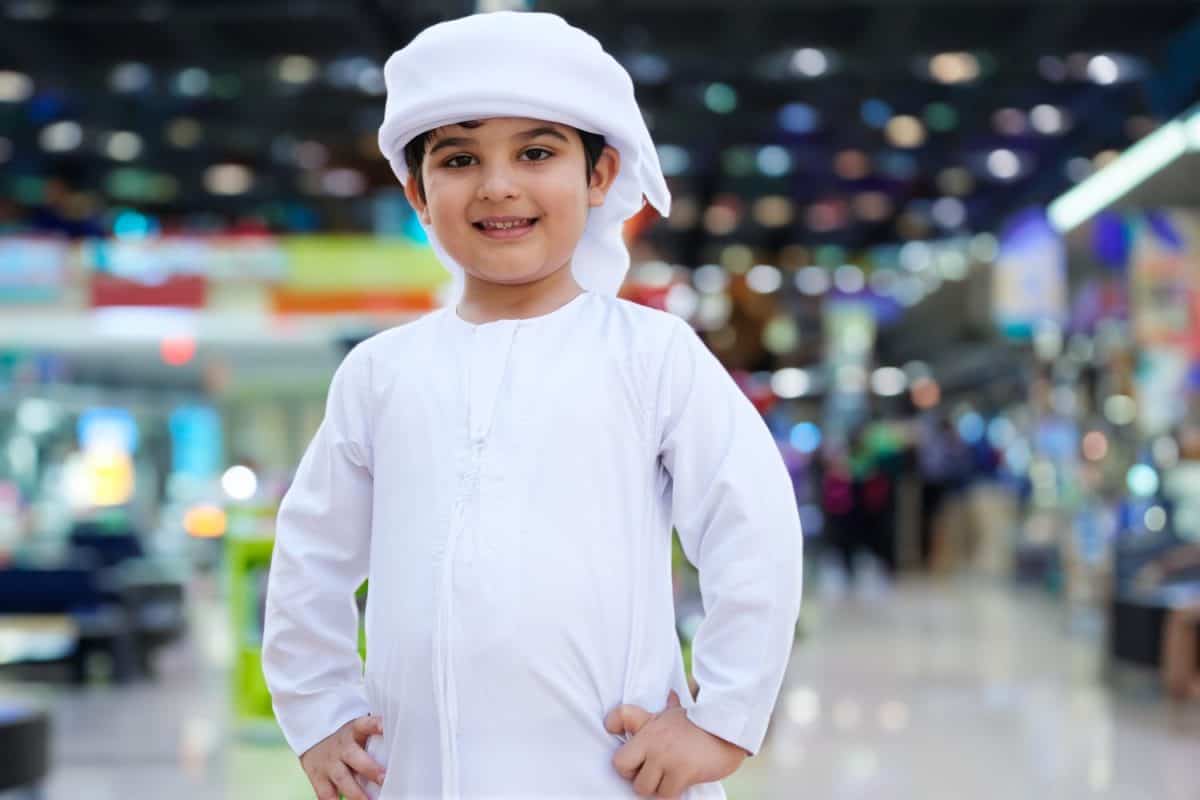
pixel 603 175
pixel 412 191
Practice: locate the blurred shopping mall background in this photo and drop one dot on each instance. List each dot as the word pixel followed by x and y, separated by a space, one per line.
pixel 950 248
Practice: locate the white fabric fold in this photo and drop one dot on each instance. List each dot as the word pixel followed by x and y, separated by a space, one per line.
pixel 535 65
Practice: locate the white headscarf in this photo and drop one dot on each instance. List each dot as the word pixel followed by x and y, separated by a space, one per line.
pixel 522 64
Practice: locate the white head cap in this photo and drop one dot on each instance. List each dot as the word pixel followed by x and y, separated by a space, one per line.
pixel 520 64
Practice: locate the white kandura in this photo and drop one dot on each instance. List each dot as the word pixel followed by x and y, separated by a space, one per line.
pixel 509 489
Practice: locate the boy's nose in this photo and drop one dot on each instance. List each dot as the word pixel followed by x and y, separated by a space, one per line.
pixel 497 184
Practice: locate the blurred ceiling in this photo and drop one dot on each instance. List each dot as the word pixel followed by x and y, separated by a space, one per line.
pixel 835 107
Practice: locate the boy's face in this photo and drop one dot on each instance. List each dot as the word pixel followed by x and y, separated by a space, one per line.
pixel 508 197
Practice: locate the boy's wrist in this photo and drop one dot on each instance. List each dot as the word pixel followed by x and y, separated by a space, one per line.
pixel 723 721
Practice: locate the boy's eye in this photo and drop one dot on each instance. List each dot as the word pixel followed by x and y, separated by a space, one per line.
pixel 458 161
pixel 536 154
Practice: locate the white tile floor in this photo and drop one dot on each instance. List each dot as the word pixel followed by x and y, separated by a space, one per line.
pixel 923 692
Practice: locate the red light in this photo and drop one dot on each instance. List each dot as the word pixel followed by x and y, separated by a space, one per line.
pixel 926 393
pixel 178 350
pixel 1095 446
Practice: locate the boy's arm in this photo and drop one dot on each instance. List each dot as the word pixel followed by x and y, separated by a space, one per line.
pixel 310 637
pixel 735 510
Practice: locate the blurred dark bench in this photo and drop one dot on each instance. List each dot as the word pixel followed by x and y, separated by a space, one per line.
pixel 1154 576
pixel 25 747
pixel 1137 622
pixel 127 619
pixel 103 549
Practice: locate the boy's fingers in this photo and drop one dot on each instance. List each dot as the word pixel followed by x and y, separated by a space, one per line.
pixel 672 786
pixel 648 779
pixel 324 789
pixel 360 761
pixel 346 784
pixel 627 719
pixel 366 726
pixel 673 700
pixel 629 759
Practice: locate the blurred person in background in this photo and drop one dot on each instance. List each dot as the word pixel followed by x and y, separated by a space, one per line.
pixel 939 458
pixel 1181 651
pixel 857 488
pixel 64 211
pixel 876 470
pixel 12 220
pixel 843 526
pixel 1179 662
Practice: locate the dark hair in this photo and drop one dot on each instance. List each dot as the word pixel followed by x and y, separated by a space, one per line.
pixel 414 151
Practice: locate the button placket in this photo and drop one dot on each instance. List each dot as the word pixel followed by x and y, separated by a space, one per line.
pixel 487 361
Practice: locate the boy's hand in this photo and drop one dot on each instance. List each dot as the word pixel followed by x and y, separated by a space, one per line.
pixel 668 754
pixel 333 763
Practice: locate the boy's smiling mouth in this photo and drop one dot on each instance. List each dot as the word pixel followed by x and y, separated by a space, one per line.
pixel 505 227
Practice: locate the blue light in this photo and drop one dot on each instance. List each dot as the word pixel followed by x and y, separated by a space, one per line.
pixel 301 218
pixel 876 113
pixel 195 441
pixel 107 428
pixel 132 225
pixel 774 161
pixel 806 437
pixel 649 68
pixel 971 427
pixel 1142 480
pixel 898 165
pixel 1001 432
pixel 674 159
pixel 798 118
pixel 44 107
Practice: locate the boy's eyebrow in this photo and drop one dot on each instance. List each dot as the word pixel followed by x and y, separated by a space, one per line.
pixel 464 141
pixel 451 141
pixel 545 130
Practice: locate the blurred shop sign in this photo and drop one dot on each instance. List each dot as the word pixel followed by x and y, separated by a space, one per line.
pixel 32 269
pixel 1098 300
pixel 347 263
pixel 851 332
pixel 1164 279
pixel 346 274
pixel 1030 278
pixel 178 291
pixel 154 259
pixel 286 301
pixel 1161 384
pixel 196 441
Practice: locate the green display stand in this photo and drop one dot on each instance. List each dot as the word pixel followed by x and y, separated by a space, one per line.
pixel 248 561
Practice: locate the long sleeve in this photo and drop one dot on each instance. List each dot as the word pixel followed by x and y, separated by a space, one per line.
pixel 323 531
pixel 735 509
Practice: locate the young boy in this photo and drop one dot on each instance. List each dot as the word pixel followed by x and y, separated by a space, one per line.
pixel 507 472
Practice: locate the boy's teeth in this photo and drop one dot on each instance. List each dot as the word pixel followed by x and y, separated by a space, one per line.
pixel 506 225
